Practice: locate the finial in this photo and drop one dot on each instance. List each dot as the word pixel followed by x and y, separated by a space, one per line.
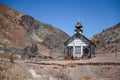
pixel 78 19
pixel 78 24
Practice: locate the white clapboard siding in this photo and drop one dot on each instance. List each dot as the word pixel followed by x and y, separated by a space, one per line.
pixel 77 42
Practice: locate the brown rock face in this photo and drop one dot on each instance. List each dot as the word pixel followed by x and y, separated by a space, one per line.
pixel 19 30
pixel 11 33
pixel 108 41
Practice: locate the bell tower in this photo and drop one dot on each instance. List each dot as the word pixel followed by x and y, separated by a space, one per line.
pixel 78 28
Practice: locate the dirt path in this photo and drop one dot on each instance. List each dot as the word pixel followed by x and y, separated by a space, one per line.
pixel 29 71
pixel 109 59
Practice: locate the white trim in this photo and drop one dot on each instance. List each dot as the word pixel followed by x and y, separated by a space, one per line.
pixel 81 51
pixel 77 42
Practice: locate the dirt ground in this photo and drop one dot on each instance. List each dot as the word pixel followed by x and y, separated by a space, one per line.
pixel 72 70
pixel 102 67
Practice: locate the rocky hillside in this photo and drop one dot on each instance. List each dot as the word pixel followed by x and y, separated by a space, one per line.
pixel 11 33
pixel 19 31
pixel 108 41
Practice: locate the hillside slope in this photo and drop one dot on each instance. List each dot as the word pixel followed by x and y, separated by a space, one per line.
pixel 19 30
pixel 108 41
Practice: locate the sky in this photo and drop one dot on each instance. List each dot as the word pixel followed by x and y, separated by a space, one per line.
pixel 94 15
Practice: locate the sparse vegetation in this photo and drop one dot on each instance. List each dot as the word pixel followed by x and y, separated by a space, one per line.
pixel 6 42
pixel 87 76
pixel 11 59
pixel 107 40
pixel 8 56
pixel 5 71
pixel 72 65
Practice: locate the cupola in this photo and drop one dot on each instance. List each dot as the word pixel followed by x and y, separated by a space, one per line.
pixel 78 28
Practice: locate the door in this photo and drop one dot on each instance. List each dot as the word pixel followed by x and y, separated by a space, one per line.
pixel 70 51
pixel 86 51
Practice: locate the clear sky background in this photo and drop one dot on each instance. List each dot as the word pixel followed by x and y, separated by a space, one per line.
pixel 94 15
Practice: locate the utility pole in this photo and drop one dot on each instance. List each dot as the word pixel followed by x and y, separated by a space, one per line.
pixel 116 35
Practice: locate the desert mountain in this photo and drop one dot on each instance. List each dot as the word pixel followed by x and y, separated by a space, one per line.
pixel 108 41
pixel 18 30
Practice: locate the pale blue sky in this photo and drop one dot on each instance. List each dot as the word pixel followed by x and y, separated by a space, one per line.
pixel 94 15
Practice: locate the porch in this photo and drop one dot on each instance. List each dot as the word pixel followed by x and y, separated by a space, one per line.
pixel 76 52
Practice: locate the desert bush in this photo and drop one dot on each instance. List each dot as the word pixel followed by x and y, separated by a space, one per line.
pixel 8 56
pixel 11 59
pixel 6 42
pixel 87 76
pixel 72 64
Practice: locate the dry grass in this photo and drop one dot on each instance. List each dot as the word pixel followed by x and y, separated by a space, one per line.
pixel 77 58
pixel 8 56
pixel 68 58
pixel 72 64
pixel 85 58
pixel 87 76
pixel 5 71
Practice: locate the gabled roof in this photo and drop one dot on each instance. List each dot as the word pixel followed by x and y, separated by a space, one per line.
pixel 82 38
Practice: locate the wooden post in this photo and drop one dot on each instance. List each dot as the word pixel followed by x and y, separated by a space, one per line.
pixel 116 34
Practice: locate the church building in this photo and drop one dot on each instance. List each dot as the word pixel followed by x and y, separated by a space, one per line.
pixel 78 45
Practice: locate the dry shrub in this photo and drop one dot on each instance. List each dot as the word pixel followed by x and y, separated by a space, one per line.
pixel 68 58
pixel 7 56
pixel 87 76
pixel 72 64
pixel 6 42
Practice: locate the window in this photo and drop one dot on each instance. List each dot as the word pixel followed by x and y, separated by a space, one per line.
pixel 77 49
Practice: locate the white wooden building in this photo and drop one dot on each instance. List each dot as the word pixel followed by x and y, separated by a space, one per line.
pixel 78 45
